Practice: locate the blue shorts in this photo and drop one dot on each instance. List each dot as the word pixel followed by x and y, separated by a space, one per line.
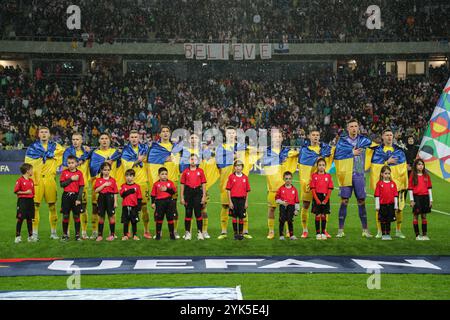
pixel 358 185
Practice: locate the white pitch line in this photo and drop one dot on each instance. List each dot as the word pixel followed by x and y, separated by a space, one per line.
pixel 442 212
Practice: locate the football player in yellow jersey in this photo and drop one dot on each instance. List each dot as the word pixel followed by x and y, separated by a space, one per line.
pixel 103 154
pixel 82 153
pixel 165 154
pixel 45 156
pixel 134 156
pixel 390 154
pixel 309 153
pixel 276 160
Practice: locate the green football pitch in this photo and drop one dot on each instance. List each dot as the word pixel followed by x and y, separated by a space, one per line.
pixel 254 286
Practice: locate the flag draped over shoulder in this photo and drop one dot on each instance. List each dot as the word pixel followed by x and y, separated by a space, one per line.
pixel 435 146
pixel 225 157
pixel 128 158
pixel 186 156
pixel 71 151
pixel 36 151
pixel 97 160
pixel 207 164
pixel 308 157
pixel 307 160
pixel 45 162
pixel 130 155
pixel 157 158
pixel 399 170
pixel 276 163
pixel 343 158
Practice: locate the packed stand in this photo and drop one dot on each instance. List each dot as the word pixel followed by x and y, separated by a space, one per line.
pixel 225 20
pixel 104 100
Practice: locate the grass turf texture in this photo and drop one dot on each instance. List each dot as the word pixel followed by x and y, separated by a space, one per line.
pixel 253 285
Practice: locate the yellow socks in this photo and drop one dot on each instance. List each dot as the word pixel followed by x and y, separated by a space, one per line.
pixel 224 219
pixel 53 217
pixel 271 224
pixel 377 222
pixel 399 218
pixel 205 225
pixel 245 227
pixel 304 217
pixel 36 218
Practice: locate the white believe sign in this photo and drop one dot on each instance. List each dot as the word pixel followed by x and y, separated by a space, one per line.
pixel 224 51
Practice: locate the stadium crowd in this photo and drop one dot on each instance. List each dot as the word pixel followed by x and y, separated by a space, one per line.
pixel 225 20
pixel 105 101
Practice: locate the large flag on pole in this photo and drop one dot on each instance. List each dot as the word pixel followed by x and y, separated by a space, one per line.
pixel 435 146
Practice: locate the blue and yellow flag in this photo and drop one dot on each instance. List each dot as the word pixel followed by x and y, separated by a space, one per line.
pixel 81 155
pixel 37 151
pixel 45 159
pixel 99 156
pixel 399 170
pixel 275 163
pixel 207 164
pixel 225 157
pixel 128 159
pixel 435 146
pixel 71 151
pixel 307 160
pixel 225 154
pixel 158 155
pixel 343 158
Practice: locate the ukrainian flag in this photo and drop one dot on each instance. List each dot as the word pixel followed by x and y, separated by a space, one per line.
pixel 157 158
pixel 399 170
pixel 207 164
pixel 225 156
pixel 276 163
pixel 71 151
pixel 81 155
pixel 343 158
pixel 99 156
pixel 307 160
pixel 45 161
pixel 129 157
